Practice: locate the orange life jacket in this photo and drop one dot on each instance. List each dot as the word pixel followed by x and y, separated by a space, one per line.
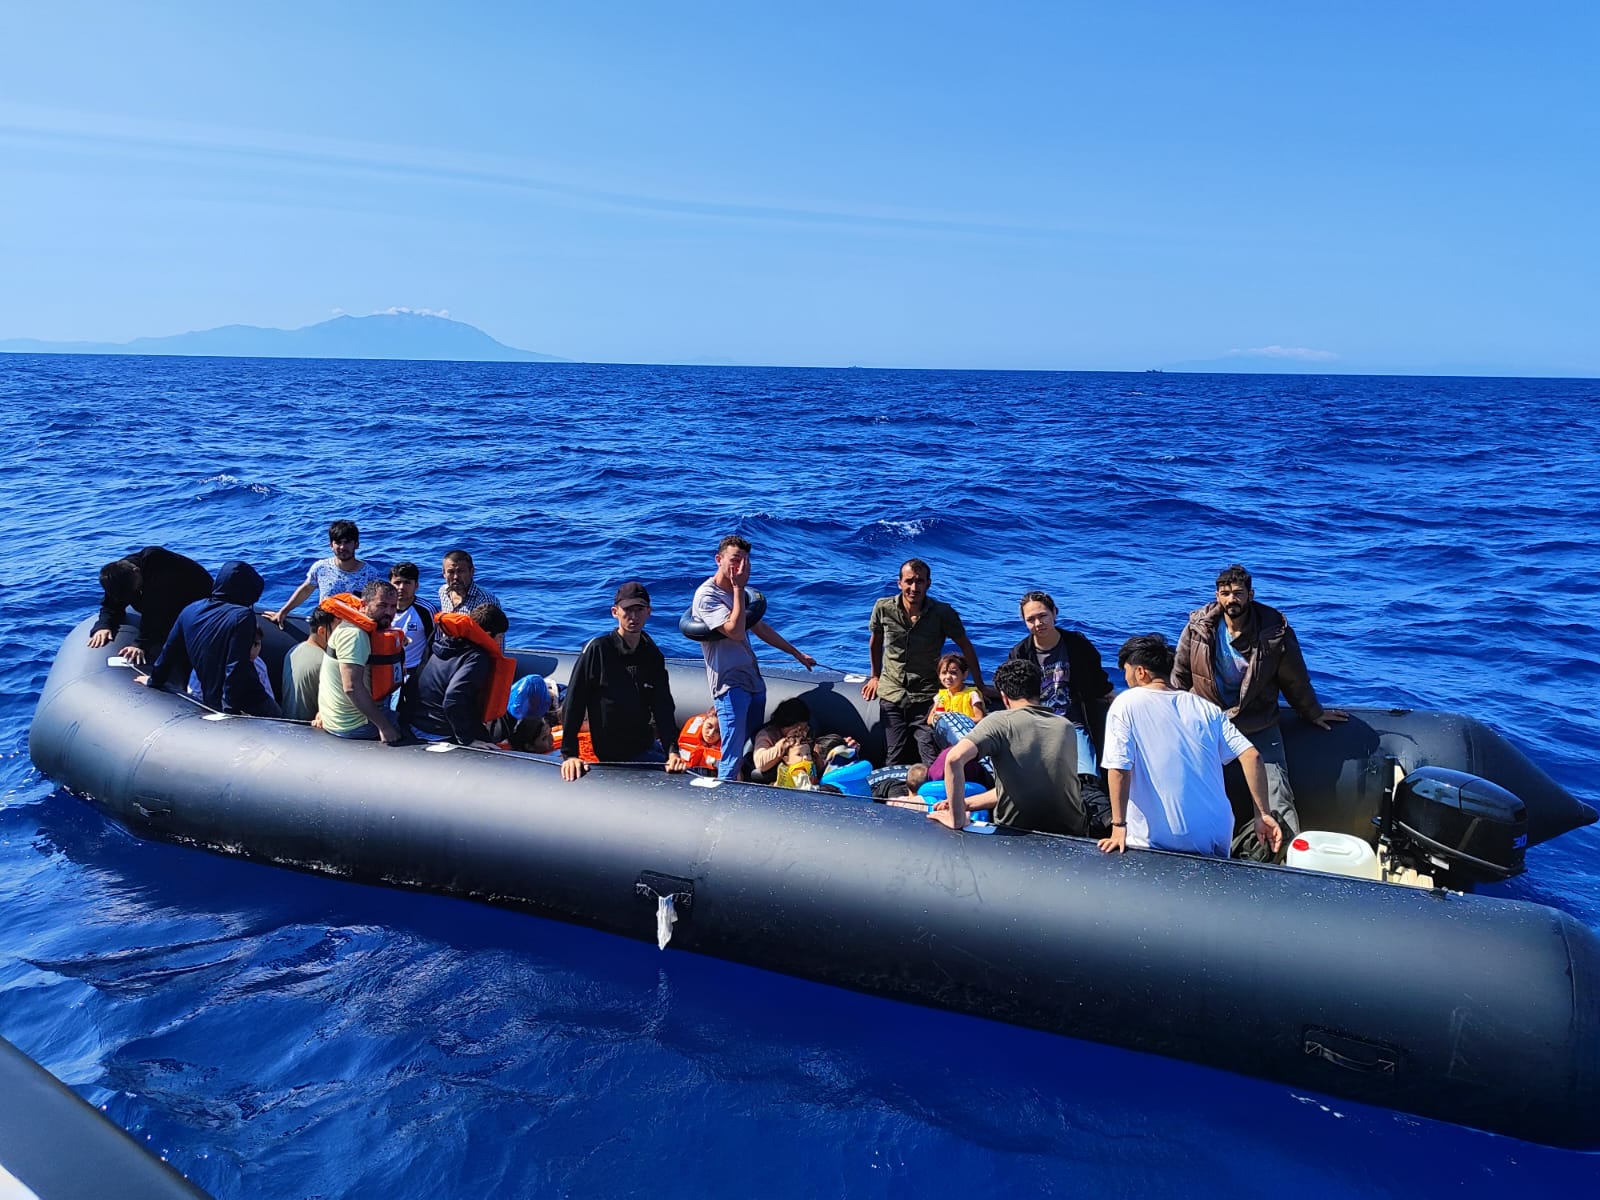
pixel 497 696
pixel 694 748
pixel 387 663
pixel 585 745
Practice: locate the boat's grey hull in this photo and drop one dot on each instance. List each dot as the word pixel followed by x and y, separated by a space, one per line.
pixel 1468 1009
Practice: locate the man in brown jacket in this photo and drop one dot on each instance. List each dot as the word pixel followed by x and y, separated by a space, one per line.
pixel 1244 673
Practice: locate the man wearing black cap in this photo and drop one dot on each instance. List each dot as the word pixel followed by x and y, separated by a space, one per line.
pixel 619 686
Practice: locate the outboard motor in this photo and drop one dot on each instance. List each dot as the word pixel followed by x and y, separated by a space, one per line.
pixel 1458 828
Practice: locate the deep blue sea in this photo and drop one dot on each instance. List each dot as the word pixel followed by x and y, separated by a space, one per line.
pixel 274 1034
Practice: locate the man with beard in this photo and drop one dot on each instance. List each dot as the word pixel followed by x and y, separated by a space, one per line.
pixel 339 573
pixel 157 583
pixel 1244 672
pixel 345 707
pixel 213 638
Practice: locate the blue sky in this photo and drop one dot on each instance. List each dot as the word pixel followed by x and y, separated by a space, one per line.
pixel 1074 186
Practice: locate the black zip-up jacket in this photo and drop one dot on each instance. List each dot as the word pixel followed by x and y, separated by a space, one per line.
pixel 168 583
pixel 621 693
pixel 1087 681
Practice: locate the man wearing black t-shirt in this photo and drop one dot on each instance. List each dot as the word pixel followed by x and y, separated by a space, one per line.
pixel 619 685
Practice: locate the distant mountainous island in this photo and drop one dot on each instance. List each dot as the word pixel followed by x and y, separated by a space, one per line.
pixel 391 335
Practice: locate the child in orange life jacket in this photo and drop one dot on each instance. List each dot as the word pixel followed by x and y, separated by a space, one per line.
pixel 956 695
pixel 532 735
pixel 700 741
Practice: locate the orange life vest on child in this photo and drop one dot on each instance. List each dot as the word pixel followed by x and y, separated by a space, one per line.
pixel 692 745
pixel 585 745
pixel 497 696
pixel 387 663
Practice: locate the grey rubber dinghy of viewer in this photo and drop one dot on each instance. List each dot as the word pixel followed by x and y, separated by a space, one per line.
pixel 1469 1009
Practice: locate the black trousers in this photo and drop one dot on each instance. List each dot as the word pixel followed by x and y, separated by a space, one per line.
pixel 906 730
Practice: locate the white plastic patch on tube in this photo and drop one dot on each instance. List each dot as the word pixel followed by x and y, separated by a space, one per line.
pixel 705 781
pixel 666 916
pixel 215 716
pixel 440 747
pixel 116 660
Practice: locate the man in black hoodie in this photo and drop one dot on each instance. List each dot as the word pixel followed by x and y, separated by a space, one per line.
pixel 159 585
pixel 213 638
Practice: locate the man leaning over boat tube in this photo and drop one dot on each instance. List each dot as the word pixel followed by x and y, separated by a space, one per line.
pixel 619 685
pixel 158 583
pixel 1244 672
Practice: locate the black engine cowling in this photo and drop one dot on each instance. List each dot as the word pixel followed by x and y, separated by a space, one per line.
pixel 1458 828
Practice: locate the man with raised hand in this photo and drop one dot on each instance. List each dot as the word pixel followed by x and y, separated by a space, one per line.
pixel 1165 751
pixel 1240 655
pixel 619 685
pixel 737 689
pixel 339 573
pixel 908 633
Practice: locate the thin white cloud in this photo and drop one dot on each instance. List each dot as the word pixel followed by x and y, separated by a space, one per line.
pixel 396 310
pixel 1295 353
pixel 554 180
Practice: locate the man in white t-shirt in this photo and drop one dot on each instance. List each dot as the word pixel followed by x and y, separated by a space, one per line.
pixel 412 617
pixel 1164 755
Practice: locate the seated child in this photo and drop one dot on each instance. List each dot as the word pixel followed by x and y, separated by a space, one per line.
pixel 700 741
pixel 532 735
pixel 795 769
pixel 956 695
pixel 196 693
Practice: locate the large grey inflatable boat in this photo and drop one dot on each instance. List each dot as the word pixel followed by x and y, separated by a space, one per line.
pixel 1470 1009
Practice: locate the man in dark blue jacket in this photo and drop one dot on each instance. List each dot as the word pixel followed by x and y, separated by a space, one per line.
pixel 444 700
pixel 212 638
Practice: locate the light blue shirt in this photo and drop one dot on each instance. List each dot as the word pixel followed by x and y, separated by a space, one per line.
pixel 1230 665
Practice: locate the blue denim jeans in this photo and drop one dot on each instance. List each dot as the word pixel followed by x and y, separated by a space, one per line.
pixel 367 732
pixel 739 713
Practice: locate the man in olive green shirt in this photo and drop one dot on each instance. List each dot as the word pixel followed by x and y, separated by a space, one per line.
pixel 909 631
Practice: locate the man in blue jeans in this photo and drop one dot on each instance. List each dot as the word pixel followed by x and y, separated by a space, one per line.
pixel 737 689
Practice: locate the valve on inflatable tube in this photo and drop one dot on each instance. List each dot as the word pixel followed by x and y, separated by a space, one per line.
pixel 696 630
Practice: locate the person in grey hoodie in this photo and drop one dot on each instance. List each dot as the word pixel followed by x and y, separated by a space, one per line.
pixel 212 638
